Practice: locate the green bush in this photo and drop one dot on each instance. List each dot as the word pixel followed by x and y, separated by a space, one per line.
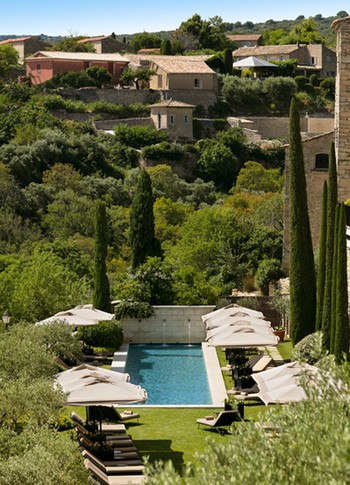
pixel 119 110
pixel 309 349
pixel 133 309
pixel 163 150
pixel 268 270
pixel 301 81
pixel 105 334
pixel 139 136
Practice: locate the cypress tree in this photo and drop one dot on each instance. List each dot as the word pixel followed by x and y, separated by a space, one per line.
pixel 322 259
pixel 334 276
pixel 302 267
pixel 341 337
pixel 101 296
pixel 228 61
pixel 331 206
pixel 142 236
pixel 165 48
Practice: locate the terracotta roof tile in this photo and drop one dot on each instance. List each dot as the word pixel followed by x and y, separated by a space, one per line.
pixel 13 41
pixel 243 37
pixel 80 56
pixel 265 50
pixel 92 39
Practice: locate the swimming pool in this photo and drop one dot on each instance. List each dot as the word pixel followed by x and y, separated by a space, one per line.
pixel 171 374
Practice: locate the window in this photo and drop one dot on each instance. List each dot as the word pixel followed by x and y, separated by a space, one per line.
pixel 313 61
pixel 197 83
pixel 172 119
pixel 321 161
pixel 159 121
pixel 186 119
pixel 38 67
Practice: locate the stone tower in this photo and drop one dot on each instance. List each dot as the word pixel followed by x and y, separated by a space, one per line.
pixel 342 107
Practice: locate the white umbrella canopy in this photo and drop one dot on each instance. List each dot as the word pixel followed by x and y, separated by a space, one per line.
pixel 80 375
pixel 252 61
pixel 243 337
pixel 236 320
pixel 104 392
pixel 218 317
pixel 283 395
pixel 80 316
pixel 257 323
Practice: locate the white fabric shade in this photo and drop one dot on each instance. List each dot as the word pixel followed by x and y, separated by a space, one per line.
pixel 252 61
pixel 243 337
pixel 80 316
pixel 91 386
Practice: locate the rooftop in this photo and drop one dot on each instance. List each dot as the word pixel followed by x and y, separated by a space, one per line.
pixel 79 56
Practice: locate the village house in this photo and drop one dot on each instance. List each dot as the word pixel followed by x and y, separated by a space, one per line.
pixel 105 44
pixel 43 65
pixel 174 117
pixel 312 58
pixel 26 46
pixel 245 40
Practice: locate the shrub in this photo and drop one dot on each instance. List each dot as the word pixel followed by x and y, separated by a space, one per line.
pixel 163 150
pixel 268 270
pixel 133 309
pixel 105 334
pixel 139 136
pixel 309 349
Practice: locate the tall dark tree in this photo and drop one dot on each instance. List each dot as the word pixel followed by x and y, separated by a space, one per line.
pixel 334 282
pixel 166 48
pixel 341 337
pixel 331 206
pixel 322 259
pixel 101 296
pixel 301 266
pixel 142 236
pixel 228 61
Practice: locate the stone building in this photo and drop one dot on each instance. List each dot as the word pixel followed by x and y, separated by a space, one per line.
pixel 174 117
pixel 26 46
pixel 106 44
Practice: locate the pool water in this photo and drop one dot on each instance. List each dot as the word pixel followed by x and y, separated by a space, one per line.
pixel 171 374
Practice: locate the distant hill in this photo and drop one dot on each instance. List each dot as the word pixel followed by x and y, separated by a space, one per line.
pixel 324 28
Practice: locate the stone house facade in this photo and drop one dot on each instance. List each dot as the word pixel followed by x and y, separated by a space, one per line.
pixel 312 58
pixel 26 46
pixel 174 117
pixel 106 44
pixel 246 40
pixel 43 65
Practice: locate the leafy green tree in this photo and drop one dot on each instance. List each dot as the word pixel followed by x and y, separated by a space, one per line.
pixel 322 258
pixel 139 136
pixel 268 270
pixel 8 60
pixel 142 234
pixel 305 33
pixel 136 76
pixel 253 177
pixel 331 206
pixel 341 334
pixel 145 40
pixel 209 33
pixel 101 296
pixel 100 75
pixel 72 44
pixel 217 163
pixel 42 456
pixel 279 92
pixel 33 288
pixel 301 265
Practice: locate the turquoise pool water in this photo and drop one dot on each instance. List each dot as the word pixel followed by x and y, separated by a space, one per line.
pixel 171 374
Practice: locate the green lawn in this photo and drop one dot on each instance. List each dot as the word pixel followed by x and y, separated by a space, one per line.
pixel 285 349
pixel 172 433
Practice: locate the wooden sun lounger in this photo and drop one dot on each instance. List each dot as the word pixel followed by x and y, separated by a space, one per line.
pixel 112 479
pixel 106 428
pixel 115 467
pixel 262 363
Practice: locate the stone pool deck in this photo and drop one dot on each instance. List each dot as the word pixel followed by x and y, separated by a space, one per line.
pixel 215 379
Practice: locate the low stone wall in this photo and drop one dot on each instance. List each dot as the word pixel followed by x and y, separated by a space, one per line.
pixel 169 324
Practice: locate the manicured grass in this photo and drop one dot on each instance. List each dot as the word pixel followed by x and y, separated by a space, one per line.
pixel 172 433
pixel 285 349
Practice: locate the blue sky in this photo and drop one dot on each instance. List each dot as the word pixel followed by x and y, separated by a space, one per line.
pixel 86 17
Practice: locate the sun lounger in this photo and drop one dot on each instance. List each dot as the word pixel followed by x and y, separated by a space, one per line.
pixel 106 428
pixel 112 479
pixel 262 363
pixel 126 415
pixel 225 418
pixel 115 467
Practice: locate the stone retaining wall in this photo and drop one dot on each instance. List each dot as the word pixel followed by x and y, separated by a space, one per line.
pixel 169 324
